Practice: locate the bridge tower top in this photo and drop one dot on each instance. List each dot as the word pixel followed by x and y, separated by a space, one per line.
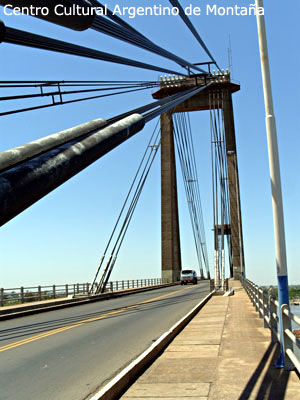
pixel 219 82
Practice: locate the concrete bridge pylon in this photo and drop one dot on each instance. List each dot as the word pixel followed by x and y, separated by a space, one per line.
pixel 170 238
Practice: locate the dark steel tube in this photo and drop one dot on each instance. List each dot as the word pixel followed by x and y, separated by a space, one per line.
pixel 28 182
pixel 75 21
pixel 2 31
pixel 23 38
pixel 12 157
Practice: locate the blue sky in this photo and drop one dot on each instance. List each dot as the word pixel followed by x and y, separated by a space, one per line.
pixel 61 238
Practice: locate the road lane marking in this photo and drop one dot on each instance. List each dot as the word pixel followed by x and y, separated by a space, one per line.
pixel 79 323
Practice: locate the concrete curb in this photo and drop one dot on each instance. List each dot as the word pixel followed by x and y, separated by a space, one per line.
pixel 125 378
pixel 230 292
pixel 40 308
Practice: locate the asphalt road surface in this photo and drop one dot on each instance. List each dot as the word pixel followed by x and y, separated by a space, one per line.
pixel 68 354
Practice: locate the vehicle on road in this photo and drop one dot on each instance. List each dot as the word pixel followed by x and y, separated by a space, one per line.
pixel 188 276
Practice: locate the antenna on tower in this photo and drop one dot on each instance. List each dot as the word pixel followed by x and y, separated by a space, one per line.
pixel 229 53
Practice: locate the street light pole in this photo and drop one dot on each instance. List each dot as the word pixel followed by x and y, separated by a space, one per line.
pixel 280 247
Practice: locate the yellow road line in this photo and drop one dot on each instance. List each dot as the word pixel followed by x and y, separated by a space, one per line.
pixel 79 323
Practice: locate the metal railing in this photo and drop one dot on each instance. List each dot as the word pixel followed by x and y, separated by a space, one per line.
pixel 267 307
pixel 23 295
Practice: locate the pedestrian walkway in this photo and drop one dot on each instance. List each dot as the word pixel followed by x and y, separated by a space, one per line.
pixel 224 353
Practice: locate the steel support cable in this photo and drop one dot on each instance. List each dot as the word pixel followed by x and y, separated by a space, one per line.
pixel 221 148
pixel 137 192
pixel 189 174
pixel 218 139
pixel 158 107
pixel 49 84
pixel 117 19
pixel 193 187
pixel 226 186
pixel 215 189
pixel 139 110
pixel 130 211
pixel 193 216
pixel 187 190
pixel 76 21
pixel 29 181
pixel 16 36
pixel 221 166
pixel 196 200
pixel 223 203
pixel 221 171
pixel 196 187
pixel 122 209
pixel 62 102
pixel 185 175
pixel 116 30
pixel 98 286
pixel 225 157
pixel 177 100
pixel 68 92
pixel 128 195
pixel 212 163
pixel 102 25
pixel 222 156
pixel 218 212
pixel 129 218
pixel 155 105
pixel 187 21
pixel 185 156
pixel 169 104
pixel 198 194
pixel 218 142
pixel 227 199
pixel 211 154
pixel 219 156
pixel 124 31
pixel 153 154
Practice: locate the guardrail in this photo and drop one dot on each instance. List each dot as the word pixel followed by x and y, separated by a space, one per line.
pixel 267 307
pixel 23 295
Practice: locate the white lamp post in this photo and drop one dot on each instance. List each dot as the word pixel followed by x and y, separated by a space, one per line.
pixel 280 248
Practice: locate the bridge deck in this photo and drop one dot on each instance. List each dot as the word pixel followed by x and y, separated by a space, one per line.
pixel 224 353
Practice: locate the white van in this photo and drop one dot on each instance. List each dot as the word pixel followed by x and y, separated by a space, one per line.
pixel 188 276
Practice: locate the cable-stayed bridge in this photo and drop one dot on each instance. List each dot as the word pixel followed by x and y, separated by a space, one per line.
pixel 98 334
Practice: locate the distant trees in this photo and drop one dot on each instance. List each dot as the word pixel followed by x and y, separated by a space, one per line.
pixel 294 291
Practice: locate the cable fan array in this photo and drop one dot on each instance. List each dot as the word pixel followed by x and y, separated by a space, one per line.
pixel 109 24
pixel 185 148
pixel 221 206
pixel 54 93
pixel 65 92
pixel 121 226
